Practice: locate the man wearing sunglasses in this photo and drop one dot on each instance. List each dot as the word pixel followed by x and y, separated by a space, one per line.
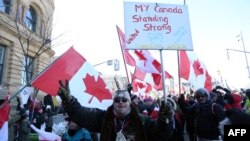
pixel 121 121
pixel 207 115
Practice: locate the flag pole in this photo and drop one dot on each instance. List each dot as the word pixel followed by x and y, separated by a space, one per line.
pixel 123 54
pixel 178 60
pixel 163 78
pixel 179 78
pixel 13 96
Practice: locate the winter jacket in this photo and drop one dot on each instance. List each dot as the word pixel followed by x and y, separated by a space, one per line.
pixel 108 125
pixel 207 118
pixel 12 124
pixel 23 130
pixel 78 135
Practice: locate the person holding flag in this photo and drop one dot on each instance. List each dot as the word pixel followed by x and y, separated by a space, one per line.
pixel 121 120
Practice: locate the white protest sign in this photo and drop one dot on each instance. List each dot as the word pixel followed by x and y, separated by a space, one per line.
pixel 25 93
pixel 157 26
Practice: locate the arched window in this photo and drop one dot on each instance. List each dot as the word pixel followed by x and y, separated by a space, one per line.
pixel 30 19
pixel 5 6
pixel 2 56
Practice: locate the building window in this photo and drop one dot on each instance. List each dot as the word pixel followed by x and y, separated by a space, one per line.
pixel 5 6
pixel 30 19
pixel 2 55
pixel 27 73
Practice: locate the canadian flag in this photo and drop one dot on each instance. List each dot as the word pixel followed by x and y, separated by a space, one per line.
pixel 127 56
pixel 84 81
pixel 194 71
pixel 154 114
pixel 141 59
pixel 146 62
pixel 153 79
pixel 142 82
pixel 4 117
pixel 141 88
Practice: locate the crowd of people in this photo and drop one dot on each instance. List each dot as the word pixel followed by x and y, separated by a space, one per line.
pixel 200 115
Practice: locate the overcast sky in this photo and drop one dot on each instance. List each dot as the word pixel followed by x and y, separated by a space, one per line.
pixel 90 26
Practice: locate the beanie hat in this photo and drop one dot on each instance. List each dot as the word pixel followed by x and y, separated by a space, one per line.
pixel 122 94
pixel 149 99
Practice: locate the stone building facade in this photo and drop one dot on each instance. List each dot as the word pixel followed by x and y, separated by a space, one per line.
pixel 25 38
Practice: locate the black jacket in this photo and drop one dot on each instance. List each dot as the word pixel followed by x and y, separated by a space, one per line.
pixel 207 117
pixel 106 123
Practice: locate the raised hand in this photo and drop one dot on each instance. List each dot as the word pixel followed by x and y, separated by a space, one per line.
pixel 64 91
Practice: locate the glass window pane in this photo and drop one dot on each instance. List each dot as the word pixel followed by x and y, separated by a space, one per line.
pixel 30 19
pixel 2 52
pixel 27 73
pixel 5 6
pixel 2 6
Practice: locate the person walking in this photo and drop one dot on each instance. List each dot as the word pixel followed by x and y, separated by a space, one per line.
pixel 207 115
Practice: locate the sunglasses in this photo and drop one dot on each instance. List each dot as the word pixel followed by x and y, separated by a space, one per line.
pixel 117 100
pixel 199 96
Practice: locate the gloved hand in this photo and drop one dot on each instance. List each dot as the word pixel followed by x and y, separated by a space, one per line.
pixel 129 88
pixel 64 91
pixel 227 91
pixel 165 112
pixel 219 87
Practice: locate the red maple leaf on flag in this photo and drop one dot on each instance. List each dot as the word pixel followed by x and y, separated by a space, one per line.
pixel 148 88
pixel 141 56
pixel 198 70
pixel 96 88
pixel 140 85
pixel 157 65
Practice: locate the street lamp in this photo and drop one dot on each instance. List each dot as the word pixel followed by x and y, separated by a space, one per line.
pixel 240 37
pixel 245 53
pixel 116 65
pixel 114 62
